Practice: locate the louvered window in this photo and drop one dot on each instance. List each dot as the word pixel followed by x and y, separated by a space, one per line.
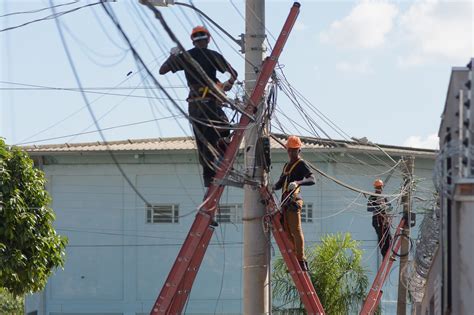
pixel 162 214
pixel 307 213
pixel 230 213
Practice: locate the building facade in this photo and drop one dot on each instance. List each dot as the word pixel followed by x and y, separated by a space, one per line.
pixel 120 250
pixel 450 282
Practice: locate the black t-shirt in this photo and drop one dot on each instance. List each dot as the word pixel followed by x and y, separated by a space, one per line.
pixel 209 60
pixel 291 173
pixel 377 207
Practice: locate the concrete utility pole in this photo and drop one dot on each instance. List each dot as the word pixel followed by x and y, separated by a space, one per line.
pixel 408 166
pixel 256 252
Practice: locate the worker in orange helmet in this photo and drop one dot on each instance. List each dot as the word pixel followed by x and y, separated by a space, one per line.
pixel 295 173
pixel 210 124
pixel 379 207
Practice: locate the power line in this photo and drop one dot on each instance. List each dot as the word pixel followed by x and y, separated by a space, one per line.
pixel 84 96
pixel 194 64
pixel 38 10
pixel 98 130
pixel 87 90
pixel 49 17
pixel 128 77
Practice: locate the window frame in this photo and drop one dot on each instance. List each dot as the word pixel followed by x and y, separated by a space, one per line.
pixel 153 218
pixel 235 213
pixel 304 213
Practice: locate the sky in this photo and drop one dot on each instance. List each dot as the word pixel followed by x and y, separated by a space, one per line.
pixel 375 69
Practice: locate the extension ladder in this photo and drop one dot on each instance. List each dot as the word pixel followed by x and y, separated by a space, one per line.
pixel 375 294
pixel 301 278
pixel 178 284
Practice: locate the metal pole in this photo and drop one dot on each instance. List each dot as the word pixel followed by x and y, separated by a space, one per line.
pixel 255 254
pixel 408 166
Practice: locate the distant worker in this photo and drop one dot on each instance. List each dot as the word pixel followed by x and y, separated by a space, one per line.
pixel 295 173
pixel 210 124
pixel 379 207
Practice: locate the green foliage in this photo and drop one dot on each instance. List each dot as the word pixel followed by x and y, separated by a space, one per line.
pixel 10 304
pixel 30 249
pixel 336 272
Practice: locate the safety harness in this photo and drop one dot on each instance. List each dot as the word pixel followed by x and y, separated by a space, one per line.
pixel 287 172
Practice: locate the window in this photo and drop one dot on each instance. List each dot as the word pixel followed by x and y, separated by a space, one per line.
pixel 162 214
pixel 307 213
pixel 230 213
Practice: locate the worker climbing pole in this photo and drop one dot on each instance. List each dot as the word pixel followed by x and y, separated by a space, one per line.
pixel 398 246
pixel 177 287
pixel 179 282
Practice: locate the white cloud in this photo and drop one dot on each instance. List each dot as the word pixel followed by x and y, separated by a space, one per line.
pixel 366 26
pixel 430 142
pixel 362 67
pixel 438 29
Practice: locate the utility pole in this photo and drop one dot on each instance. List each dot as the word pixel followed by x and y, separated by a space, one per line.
pixel 256 251
pixel 408 165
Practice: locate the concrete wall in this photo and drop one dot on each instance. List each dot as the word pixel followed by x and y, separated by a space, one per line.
pixel 116 262
pixel 431 303
pixel 463 287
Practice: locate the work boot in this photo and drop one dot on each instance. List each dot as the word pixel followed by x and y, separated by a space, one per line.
pixel 304 265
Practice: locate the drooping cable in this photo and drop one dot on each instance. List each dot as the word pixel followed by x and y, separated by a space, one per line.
pixel 91 112
pixel 49 17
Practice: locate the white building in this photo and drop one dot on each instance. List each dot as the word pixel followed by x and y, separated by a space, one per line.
pixel 120 252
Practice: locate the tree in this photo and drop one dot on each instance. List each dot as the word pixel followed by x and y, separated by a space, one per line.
pixel 30 249
pixel 336 272
pixel 9 304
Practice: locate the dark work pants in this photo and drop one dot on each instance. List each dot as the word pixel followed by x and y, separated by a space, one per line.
pixel 383 233
pixel 208 118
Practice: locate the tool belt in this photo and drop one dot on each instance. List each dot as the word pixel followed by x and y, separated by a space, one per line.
pixel 201 93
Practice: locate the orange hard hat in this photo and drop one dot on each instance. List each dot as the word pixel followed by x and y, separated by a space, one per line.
pixel 200 32
pixel 293 142
pixel 378 183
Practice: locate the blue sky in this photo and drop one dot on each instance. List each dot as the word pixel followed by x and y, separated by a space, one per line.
pixel 377 69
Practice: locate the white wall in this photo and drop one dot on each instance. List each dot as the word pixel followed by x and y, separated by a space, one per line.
pixel 117 263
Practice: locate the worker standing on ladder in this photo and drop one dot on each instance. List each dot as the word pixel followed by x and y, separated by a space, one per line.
pixel 379 206
pixel 210 124
pixel 295 173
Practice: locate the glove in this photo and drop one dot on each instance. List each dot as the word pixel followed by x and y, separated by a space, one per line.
pixel 292 186
pixel 175 51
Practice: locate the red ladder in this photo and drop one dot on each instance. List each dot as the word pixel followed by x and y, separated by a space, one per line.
pixel 301 278
pixel 375 293
pixel 178 284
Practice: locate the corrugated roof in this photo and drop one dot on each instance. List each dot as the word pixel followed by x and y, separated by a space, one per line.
pixel 154 144
pixel 188 143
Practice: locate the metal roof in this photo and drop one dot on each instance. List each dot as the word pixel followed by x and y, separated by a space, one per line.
pixel 188 143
